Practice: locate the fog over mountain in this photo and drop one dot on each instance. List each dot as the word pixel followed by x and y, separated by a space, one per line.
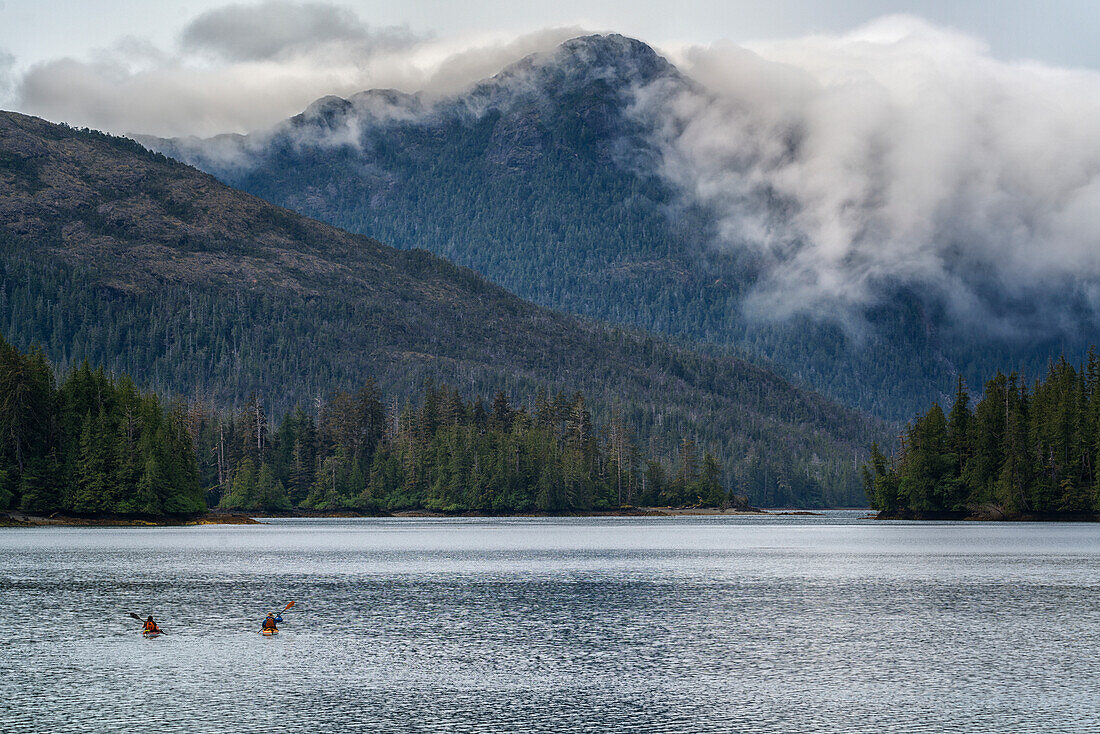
pixel 876 212
pixel 898 153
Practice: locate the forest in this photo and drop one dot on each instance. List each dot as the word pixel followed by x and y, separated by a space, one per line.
pixel 94 444
pixel 153 269
pixel 1019 451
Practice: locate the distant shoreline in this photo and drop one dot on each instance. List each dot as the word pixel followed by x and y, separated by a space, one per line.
pixel 621 512
pixel 215 517
pixel 220 517
pixel 991 514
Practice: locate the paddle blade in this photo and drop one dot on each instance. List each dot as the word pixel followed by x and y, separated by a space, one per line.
pixel 288 606
pixel 136 617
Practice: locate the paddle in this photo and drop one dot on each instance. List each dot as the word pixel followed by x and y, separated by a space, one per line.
pixel 142 619
pixel 279 613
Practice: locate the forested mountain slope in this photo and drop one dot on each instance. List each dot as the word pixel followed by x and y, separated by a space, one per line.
pixel 123 257
pixel 545 178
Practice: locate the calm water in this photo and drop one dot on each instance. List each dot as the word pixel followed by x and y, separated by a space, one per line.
pixel 594 625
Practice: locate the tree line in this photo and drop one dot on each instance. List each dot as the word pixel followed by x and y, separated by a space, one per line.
pixel 442 453
pixel 1019 451
pixel 94 444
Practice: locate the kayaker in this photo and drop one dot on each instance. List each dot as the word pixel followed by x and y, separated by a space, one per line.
pixel 151 627
pixel 269 623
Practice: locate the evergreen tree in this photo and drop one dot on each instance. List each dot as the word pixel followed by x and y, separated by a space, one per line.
pixel 94 486
pixel 501 414
pixel 880 482
pixel 243 494
pixel 27 427
pixel 710 492
pixel 926 469
pixel 1022 450
pixel 954 490
pixel 1011 489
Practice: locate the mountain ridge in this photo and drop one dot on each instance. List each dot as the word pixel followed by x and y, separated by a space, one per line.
pixel 547 179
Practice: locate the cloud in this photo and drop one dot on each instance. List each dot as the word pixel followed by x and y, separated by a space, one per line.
pixel 465 63
pixel 282 30
pixel 7 74
pixel 246 67
pixel 899 154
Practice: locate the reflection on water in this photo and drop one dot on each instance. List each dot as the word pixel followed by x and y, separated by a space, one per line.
pixel 595 625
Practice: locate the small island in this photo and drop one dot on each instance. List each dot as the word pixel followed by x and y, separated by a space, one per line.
pixel 1021 454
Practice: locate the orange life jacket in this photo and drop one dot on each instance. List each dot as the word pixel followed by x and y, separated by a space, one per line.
pixel 151 626
pixel 269 623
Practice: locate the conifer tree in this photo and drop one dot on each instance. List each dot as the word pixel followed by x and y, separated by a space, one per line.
pixel 242 494
pixel 1022 450
pixel 926 469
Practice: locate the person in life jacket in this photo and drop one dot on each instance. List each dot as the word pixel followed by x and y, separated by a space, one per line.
pixel 150 626
pixel 269 623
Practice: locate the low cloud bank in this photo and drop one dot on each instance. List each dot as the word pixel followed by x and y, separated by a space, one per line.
pixel 899 154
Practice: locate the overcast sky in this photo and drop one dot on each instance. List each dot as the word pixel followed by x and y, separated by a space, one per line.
pixel 211 66
pixel 1063 32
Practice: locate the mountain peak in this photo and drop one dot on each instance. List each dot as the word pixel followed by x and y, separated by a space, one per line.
pixel 612 58
pixel 323 111
pixel 633 59
pixel 610 65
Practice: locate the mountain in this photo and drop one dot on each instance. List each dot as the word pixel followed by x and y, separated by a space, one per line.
pixel 123 257
pixel 547 180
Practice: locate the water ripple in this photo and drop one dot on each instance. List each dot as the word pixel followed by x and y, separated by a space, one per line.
pixel 554 626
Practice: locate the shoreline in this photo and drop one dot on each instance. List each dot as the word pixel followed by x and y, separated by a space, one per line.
pixel 987 515
pixel 218 517
pixel 223 517
pixel 23 520
pixel 621 512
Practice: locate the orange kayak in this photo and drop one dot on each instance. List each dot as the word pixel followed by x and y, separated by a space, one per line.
pixel 150 635
pixel 269 633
